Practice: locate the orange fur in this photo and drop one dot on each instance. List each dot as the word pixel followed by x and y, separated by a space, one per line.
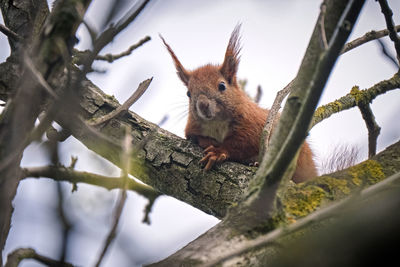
pixel 223 120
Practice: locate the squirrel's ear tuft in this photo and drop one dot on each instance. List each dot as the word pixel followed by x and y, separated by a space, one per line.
pixel 183 74
pixel 231 62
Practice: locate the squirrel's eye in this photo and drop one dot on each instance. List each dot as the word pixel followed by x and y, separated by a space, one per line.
pixel 221 86
pixel 188 93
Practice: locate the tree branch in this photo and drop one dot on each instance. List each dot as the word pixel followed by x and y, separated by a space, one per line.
pixel 387 54
pixel 108 35
pixel 60 173
pixel 111 58
pixel 355 96
pixel 297 114
pixel 9 33
pixel 272 118
pixel 276 238
pixel 369 36
pixel 15 257
pixel 127 145
pixel 80 56
pixel 372 126
pixel 322 25
pixel 388 13
pixel 280 96
pixel 298 201
pixel 125 106
pixel 19 115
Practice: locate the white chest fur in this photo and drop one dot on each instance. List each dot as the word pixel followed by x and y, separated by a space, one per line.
pixel 216 129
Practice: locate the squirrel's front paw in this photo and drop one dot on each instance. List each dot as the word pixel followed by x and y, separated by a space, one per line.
pixel 213 155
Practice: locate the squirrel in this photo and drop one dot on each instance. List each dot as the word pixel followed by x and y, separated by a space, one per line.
pixel 222 118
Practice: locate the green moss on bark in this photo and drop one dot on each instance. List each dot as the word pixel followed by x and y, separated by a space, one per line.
pixel 301 200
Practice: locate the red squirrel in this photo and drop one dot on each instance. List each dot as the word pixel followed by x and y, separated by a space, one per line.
pixel 222 119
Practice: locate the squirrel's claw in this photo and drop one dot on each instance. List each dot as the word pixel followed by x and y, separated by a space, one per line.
pixel 213 155
pixel 254 164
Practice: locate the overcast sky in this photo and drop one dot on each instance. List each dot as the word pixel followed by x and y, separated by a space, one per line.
pixel 275 35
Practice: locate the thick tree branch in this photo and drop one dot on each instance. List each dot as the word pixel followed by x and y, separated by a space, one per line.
pixel 277 239
pixel 298 201
pixel 296 116
pixel 24 19
pixel 19 115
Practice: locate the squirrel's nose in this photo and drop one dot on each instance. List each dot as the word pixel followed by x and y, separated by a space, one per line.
pixel 204 108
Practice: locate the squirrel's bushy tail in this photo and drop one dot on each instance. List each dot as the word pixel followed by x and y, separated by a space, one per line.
pixel 341 157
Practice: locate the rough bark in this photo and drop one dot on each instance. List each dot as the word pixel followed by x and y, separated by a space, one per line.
pixel 18 117
pixel 17 121
pixel 164 161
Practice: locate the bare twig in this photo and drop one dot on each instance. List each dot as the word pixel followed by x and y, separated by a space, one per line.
pixel 65 224
pixel 80 56
pixel 125 106
pixel 388 13
pixel 322 25
pixel 113 231
pixel 259 94
pixel 15 257
pixel 61 173
pixel 387 54
pixel 92 31
pixel 273 114
pixel 147 211
pixel 350 100
pixel 108 35
pixel 272 117
pixel 130 16
pixel 127 146
pixel 9 33
pixel 115 8
pixel 369 36
pixel 110 57
pixel 373 128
